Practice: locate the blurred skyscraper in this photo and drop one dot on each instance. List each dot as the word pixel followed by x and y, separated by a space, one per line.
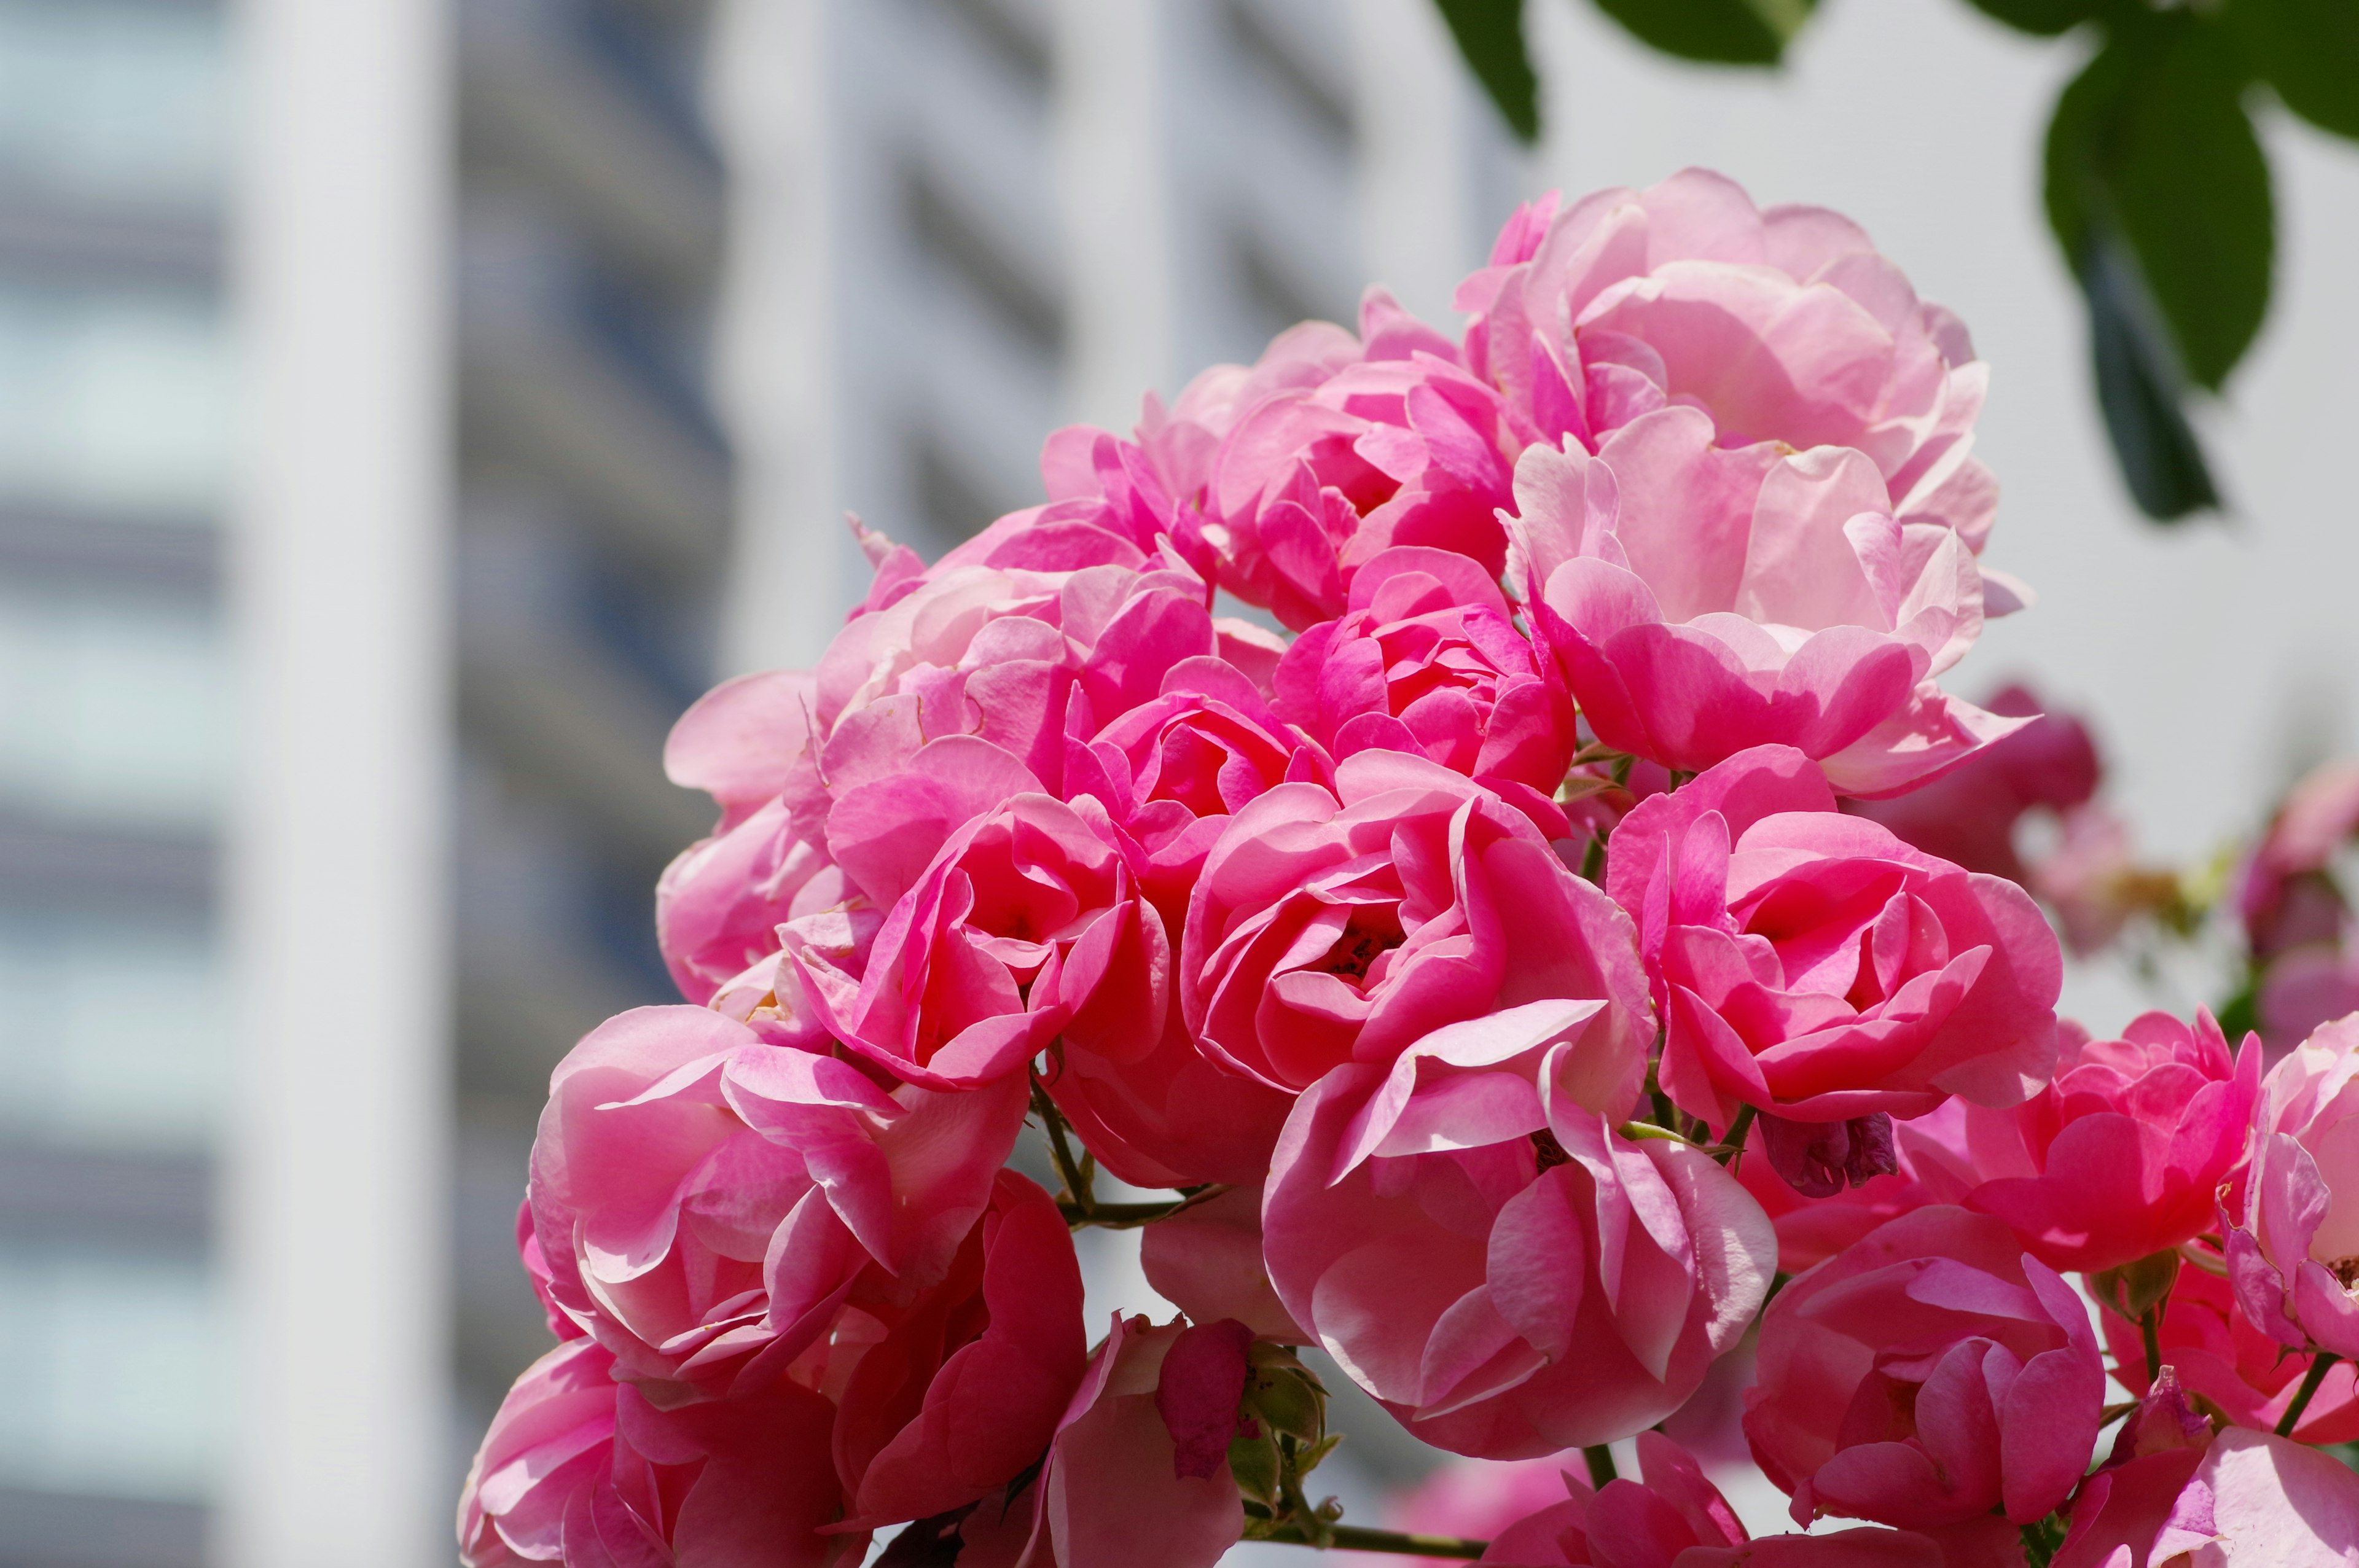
pixel 894 242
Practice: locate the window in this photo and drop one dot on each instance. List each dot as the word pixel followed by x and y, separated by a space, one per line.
pixel 114 104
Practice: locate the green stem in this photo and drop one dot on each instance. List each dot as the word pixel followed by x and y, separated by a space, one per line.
pixel 2150 1328
pixel 1733 1144
pixel 1131 1215
pixel 1601 1464
pixel 1069 1170
pixel 1648 1129
pixel 2318 1366
pixel 1359 1537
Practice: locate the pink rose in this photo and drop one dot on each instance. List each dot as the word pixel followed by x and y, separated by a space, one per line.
pixel 1704 599
pixel 2117 1512
pixel 1968 815
pixel 1428 660
pixel 1929 1374
pixel 1813 965
pixel 1206 1260
pixel 2262 1502
pixel 1467 1234
pixel 2286 898
pixel 1336 927
pixel 1933 1168
pixel 579 1469
pixel 960 1383
pixel 2293 1231
pixel 1168 1117
pixel 1671 1518
pixel 1782 326
pixel 704 1201
pixel 1331 449
pixel 1109 1488
pixel 1026 925
pixel 2121 1155
pixel 2219 1355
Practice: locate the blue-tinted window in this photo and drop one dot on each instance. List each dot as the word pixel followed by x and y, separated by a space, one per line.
pixel 113 102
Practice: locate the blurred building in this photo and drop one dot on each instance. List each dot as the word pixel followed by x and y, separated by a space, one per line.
pixel 886 244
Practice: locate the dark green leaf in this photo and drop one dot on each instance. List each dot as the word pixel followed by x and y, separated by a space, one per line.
pixel 2139 389
pixel 2152 143
pixel 2310 51
pixel 1724 32
pixel 2045 17
pixel 1489 34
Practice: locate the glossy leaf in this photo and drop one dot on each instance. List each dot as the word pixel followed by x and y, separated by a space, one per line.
pixel 2152 143
pixel 1490 35
pixel 2045 17
pixel 2308 49
pixel 1723 32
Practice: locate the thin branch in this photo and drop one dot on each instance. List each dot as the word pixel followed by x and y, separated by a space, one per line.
pixel 2318 1366
pixel 1359 1537
pixel 1601 1464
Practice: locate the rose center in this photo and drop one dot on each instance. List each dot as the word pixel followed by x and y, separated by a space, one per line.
pixel 2347 1271
pixel 1551 1152
pixel 1370 935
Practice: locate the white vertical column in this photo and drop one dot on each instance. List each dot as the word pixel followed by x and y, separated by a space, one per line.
pixel 1418 220
pixel 780 374
pixel 1116 187
pixel 334 1189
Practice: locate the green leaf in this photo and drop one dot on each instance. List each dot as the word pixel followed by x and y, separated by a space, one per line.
pixel 2152 143
pixel 2310 51
pixel 2139 388
pixel 2045 17
pixel 1723 32
pixel 1489 34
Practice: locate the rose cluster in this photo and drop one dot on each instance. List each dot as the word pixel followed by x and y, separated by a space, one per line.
pixel 1434 962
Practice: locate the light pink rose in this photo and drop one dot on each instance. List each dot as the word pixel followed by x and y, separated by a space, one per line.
pixel 1704 599
pixel 1783 326
pixel 1337 927
pixel 2285 897
pixel 1968 815
pixel 1428 660
pixel 1025 926
pixel 2262 1502
pixel 1929 1374
pixel 959 1384
pixel 579 1470
pixel 2292 1232
pixel 1330 450
pixel 2219 1355
pixel 1109 1490
pixel 1467 1234
pixel 704 1201
pixel 2124 1153
pixel 1813 965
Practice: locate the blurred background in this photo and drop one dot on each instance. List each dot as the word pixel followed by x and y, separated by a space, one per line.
pixel 405 409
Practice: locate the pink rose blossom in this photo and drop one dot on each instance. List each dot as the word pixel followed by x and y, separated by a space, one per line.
pixel 1968 815
pixel 1167 1116
pixel 959 1384
pixel 705 1201
pixel 2091 879
pixel 2222 1356
pixel 1467 1234
pixel 1783 326
pixel 1428 660
pixel 1025 926
pixel 2293 1233
pixel 2262 1502
pixel 2121 1155
pixel 1347 926
pixel 2117 1512
pixel 1934 1168
pixel 1703 600
pixel 1813 965
pixel 1206 1260
pixel 1929 1374
pixel 1109 1488
pixel 2286 898
pixel 579 1470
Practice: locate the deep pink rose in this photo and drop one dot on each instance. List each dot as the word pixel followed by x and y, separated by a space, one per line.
pixel 1813 965
pixel 1929 1374
pixel 1330 450
pixel 1206 1260
pixel 1467 1234
pixel 1108 1489
pixel 1968 815
pixel 2293 1230
pixel 1782 326
pixel 1934 1168
pixel 1026 925
pixel 704 1201
pixel 2217 1353
pixel 1338 927
pixel 1169 1116
pixel 2116 1512
pixel 959 1384
pixel 579 1469
pixel 2124 1153
pixel 1428 660
pixel 1705 600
